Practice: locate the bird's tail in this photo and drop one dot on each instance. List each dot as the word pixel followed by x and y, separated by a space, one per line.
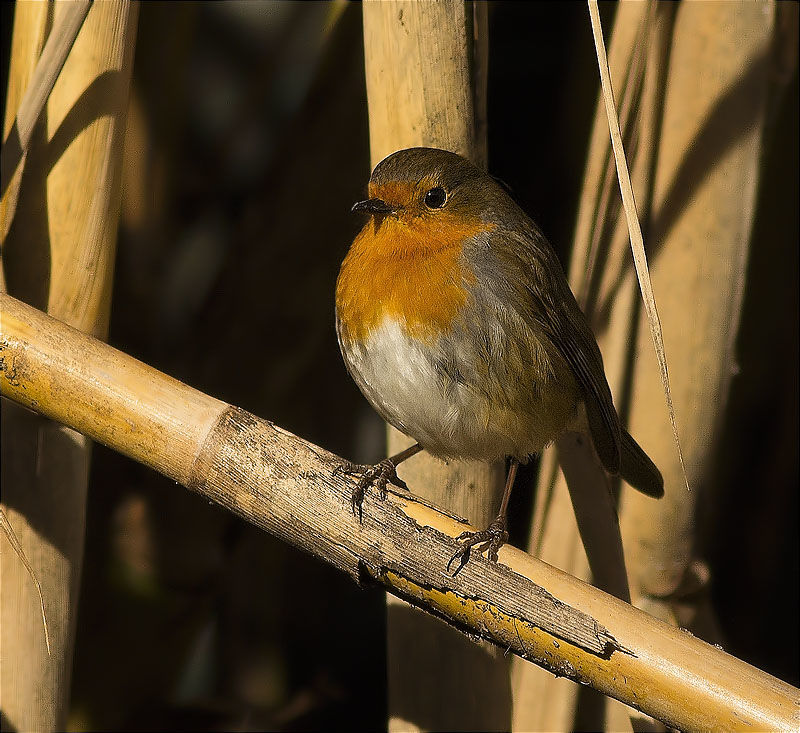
pixel 637 468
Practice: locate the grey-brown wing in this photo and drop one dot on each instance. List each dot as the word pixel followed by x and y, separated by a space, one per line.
pixel 563 322
pixel 571 334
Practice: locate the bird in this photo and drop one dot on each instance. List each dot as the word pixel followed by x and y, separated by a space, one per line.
pixel 456 321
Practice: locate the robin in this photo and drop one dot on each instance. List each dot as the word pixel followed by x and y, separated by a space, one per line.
pixel 457 323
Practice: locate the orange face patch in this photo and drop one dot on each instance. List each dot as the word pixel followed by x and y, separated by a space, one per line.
pixel 406 267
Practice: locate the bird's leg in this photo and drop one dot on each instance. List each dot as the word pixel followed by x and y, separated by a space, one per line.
pixel 378 475
pixel 496 534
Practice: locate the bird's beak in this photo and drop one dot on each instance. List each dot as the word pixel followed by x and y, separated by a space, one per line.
pixel 373 206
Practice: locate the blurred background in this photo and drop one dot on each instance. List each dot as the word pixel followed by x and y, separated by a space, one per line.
pixel 247 143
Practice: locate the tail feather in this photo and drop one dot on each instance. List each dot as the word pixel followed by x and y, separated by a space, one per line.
pixel 637 468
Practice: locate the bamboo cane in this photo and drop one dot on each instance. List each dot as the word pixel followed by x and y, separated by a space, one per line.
pixel 554 535
pixel 714 107
pixel 36 92
pixel 694 71
pixel 293 489
pixel 58 254
pixel 426 77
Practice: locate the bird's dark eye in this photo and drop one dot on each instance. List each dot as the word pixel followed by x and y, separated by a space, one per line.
pixel 435 198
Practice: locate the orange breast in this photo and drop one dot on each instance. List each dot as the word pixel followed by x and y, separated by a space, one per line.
pixel 406 270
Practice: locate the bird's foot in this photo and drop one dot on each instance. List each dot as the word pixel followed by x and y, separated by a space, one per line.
pixel 492 539
pixel 378 476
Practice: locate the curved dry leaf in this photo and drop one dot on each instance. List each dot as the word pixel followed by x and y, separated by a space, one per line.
pixel 13 540
pixel 637 243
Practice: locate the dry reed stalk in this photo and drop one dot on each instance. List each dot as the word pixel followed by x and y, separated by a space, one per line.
pixel 426 85
pixel 17 134
pixel 292 489
pixel 694 143
pixel 703 204
pixel 58 254
pixel 554 535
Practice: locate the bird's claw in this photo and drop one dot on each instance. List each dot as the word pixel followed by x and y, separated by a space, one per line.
pixel 492 539
pixel 378 476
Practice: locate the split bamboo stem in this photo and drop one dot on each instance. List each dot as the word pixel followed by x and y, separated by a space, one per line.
pixel 292 489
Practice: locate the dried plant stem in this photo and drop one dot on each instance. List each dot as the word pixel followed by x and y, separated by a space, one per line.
pixel 293 490
pixel 54 54
pixel 58 220
pixel 426 85
pixel 16 545
pixel 637 242
pixel 695 133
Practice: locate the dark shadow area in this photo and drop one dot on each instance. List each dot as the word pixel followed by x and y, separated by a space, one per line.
pixel 749 521
pixel 6 29
pixel 228 252
pixel 26 250
pixel 12 155
pixel 5 724
pixel 413 639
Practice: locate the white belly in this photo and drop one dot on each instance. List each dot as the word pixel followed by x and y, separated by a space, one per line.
pixel 448 416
